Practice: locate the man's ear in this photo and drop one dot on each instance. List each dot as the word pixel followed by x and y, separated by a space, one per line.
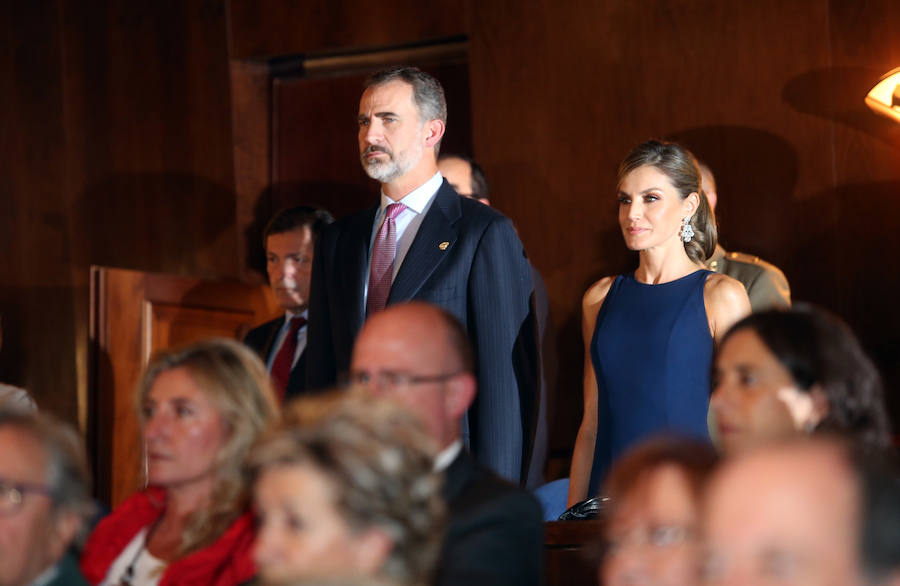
pixel 373 547
pixel 66 525
pixel 434 132
pixel 459 394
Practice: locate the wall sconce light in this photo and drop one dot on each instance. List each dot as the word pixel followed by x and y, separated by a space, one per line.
pixel 884 98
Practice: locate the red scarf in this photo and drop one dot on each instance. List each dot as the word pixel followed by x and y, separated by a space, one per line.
pixel 226 562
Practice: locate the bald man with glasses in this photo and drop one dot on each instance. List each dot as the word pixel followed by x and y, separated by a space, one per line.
pixel 419 356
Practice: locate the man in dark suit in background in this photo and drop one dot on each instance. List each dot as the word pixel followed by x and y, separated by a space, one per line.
pixel 289 240
pixel 419 356
pixel 425 242
pixel 468 179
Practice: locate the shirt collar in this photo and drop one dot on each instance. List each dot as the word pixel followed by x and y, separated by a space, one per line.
pixel 288 314
pixel 447 455
pixel 417 199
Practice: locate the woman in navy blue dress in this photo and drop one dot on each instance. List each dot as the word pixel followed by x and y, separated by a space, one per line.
pixel 649 335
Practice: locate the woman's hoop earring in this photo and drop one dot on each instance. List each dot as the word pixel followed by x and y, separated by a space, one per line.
pixel 687 231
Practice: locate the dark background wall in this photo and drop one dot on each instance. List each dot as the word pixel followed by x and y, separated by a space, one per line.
pixel 116 126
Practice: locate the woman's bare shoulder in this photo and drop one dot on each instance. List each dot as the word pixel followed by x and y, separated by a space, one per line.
pixel 726 302
pixel 723 288
pixel 596 293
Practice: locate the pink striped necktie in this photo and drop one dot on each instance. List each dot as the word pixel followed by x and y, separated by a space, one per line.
pixel 381 269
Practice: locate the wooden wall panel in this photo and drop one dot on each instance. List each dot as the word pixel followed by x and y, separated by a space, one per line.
pixel 283 27
pixel 36 301
pixel 116 130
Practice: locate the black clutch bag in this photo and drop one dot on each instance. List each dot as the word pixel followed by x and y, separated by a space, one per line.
pixel 588 509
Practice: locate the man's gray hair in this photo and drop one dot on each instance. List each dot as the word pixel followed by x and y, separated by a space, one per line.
pixel 428 93
pixel 67 476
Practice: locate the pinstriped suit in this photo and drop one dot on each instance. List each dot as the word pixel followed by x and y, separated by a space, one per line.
pixel 481 276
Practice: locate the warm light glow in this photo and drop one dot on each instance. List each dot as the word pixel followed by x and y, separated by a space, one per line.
pixel 884 98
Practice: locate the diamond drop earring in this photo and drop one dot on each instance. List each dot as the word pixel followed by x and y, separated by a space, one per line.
pixel 687 231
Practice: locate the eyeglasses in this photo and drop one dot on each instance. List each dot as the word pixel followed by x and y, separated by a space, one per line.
pixel 13 493
pixel 391 379
pixel 658 536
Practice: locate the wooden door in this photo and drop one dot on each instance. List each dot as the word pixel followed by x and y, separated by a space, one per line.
pixel 134 314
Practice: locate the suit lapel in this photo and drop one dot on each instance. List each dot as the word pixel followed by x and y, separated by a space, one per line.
pixel 273 335
pixel 458 475
pixel 297 380
pixel 428 249
pixel 354 260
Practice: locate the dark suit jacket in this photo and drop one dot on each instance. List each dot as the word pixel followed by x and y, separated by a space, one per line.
pixel 68 573
pixel 495 531
pixel 466 258
pixel 262 338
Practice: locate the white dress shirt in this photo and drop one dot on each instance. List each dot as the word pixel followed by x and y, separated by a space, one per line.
pixel 282 334
pixel 447 455
pixel 417 202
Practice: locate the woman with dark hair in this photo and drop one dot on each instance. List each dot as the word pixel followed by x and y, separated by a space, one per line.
pixel 201 408
pixel 783 372
pixel 649 335
pixel 651 532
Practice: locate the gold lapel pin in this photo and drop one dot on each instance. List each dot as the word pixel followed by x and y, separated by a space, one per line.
pixel 443 245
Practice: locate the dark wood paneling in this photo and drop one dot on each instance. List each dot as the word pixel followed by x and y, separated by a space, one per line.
pixel 36 293
pixel 283 27
pixel 116 125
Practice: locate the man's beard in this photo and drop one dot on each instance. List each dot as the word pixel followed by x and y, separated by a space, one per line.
pixel 394 167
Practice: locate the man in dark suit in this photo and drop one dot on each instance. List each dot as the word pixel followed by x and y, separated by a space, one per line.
pixel 45 499
pixel 425 242
pixel 289 240
pixel 468 179
pixel 419 355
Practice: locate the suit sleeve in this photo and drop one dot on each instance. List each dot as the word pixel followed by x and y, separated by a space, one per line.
pixel 321 369
pixel 502 327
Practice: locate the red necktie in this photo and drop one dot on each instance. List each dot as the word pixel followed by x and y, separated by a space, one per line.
pixel 381 269
pixel 284 360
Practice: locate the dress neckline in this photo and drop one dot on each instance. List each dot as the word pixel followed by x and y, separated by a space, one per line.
pixel 672 282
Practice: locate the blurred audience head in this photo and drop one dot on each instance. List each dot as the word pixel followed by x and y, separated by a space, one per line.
pixel 201 408
pixel 465 176
pixel 808 511
pixel 652 529
pixel 45 494
pixel 289 241
pixel 418 355
pixel 345 489
pixel 781 372
pixel 680 167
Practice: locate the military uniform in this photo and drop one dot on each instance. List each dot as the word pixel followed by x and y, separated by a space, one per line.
pixel 766 285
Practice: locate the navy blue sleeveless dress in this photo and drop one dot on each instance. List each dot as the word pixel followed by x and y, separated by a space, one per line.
pixel 652 352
